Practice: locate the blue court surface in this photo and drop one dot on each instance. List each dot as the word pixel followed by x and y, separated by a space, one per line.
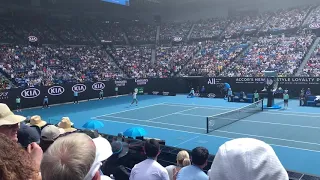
pixel 293 133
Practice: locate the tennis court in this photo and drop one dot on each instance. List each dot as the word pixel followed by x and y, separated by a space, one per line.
pixel 293 133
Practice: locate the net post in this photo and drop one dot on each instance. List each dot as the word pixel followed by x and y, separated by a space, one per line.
pixel 262 105
pixel 207 125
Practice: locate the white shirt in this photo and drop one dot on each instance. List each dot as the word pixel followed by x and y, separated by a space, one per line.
pixel 134 95
pixel 149 169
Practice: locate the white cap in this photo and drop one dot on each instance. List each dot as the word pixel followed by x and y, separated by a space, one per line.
pixel 247 159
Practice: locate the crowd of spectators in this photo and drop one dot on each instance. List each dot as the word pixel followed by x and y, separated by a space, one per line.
pixel 47 65
pixel 281 54
pixel 140 32
pixel 312 68
pixel 170 60
pixel 135 61
pixel 35 149
pixel 213 57
pixel 107 31
pixel 176 29
pixel 286 19
pixel 314 16
pixel 209 28
pixel 245 25
pixel 70 31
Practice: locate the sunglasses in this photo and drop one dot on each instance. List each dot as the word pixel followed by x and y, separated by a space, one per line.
pixel 11 126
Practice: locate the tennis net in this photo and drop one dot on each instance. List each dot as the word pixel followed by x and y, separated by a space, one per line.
pixel 220 120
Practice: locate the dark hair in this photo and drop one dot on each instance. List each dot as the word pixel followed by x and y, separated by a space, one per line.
pixel 199 155
pixel 152 148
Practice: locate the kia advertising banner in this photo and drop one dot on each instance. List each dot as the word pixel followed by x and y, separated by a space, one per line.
pixel 33 96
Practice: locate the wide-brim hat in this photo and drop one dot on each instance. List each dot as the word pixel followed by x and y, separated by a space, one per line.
pixel 66 124
pixel 7 117
pixel 37 121
pixel 120 148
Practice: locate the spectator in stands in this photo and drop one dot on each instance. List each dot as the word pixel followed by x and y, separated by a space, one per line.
pixel 182 161
pixel 48 135
pixel 37 121
pixel 114 164
pixel 75 156
pixel 16 163
pixel 27 135
pixel 9 122
pixel 150 169
pixel 66 125
pixel 248 159
pixel 199 157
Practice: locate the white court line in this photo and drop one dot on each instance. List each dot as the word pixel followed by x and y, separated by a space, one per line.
pixel 218 131
pixel 186 141
pixel 243 134
pixel 204 134
pixel 286 113
pixel 129 110
pixel 262 122
pixel 281 124
pixel 131 119
pixel 172 114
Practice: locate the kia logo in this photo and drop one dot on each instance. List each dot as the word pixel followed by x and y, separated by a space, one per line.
pixel 211 95
pixel 30 93
pixel 155 92
pixel 98 86
pixel 79 88
pixel 56 90
pixel 165 93
pixel 4 94
pixel 33 39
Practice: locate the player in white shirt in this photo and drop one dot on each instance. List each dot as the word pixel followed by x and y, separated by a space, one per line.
pixel 191 94
pixel 134 96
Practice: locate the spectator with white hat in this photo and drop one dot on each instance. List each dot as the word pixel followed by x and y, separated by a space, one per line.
pixel 9 122
pixel 75 156
pixel 248 159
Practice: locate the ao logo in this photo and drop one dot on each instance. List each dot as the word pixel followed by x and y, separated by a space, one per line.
pixel 98 86
pixel 79 88
pixel 56 90
pixel 212 81
pixel 30 93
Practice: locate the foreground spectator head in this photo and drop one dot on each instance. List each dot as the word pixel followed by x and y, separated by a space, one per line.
pixel 66 124
pixel 183 159
pixel 37 121
pixel 48 135
pixel 149 169
pixel 15 162
pixel 75 157
pixel 9 122
pixel 200 156
pixel 249 159
pixel 27 135
pixel 152 148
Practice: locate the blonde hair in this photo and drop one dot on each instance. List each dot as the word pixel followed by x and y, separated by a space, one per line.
pixel 183 159
pixel 68 158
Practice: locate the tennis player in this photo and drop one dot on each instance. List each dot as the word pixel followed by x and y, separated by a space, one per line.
pixel 286 99
pixel 191 94
pixel 134 97
pixel 226 89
